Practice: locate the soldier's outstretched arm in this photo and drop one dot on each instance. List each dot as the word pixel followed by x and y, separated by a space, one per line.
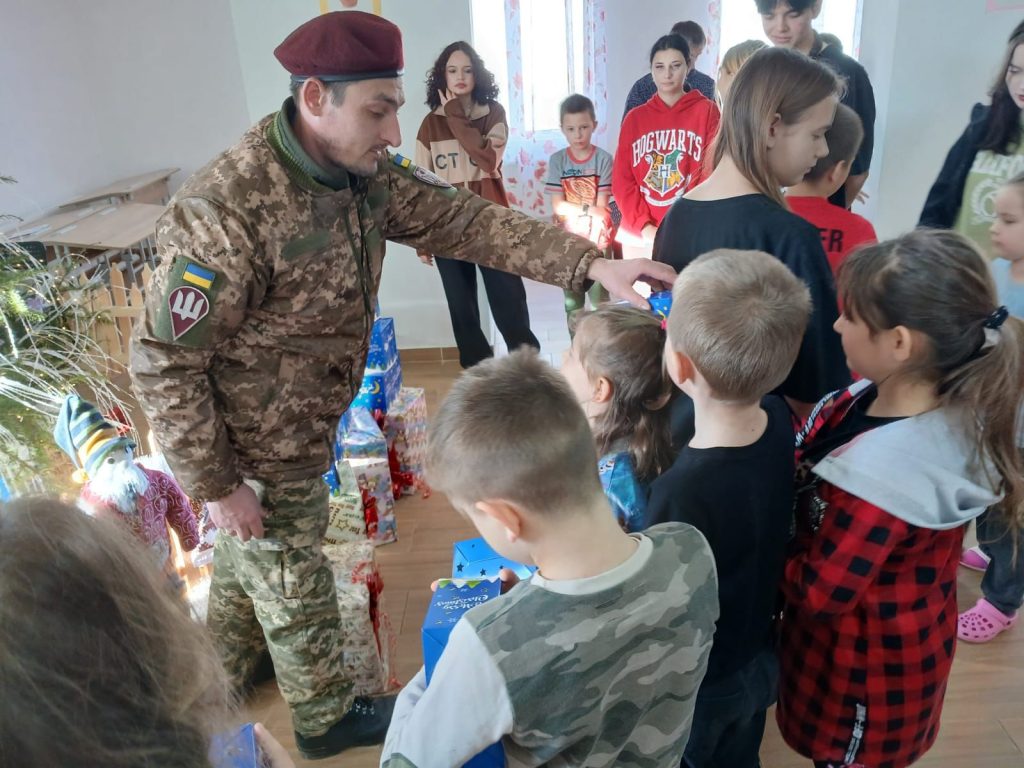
pixel 428 214
pixel 197 299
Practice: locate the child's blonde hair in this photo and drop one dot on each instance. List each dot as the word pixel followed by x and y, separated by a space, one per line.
pixel 625 345
pixel 936 283
pixel 737 56
pixel 775 81
pixel 740 316
pixel 101 664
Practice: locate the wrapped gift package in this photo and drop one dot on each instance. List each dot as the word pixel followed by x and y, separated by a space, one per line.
pixel 346 521
pixel 238 749
pixel 661 303
pixel 379 388
pixel 383 346
pixel 372 477
pixel 203 553
pixel 368 640
pixel 474 559
pixel 452 598
pixel 405 428
pixel 359 436
pixel 346 518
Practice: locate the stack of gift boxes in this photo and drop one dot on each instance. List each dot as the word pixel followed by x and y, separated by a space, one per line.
pixel 475 569
pixel 379 448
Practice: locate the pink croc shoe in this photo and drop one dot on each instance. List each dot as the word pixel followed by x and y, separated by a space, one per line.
pixel 975 559
pixel 983 622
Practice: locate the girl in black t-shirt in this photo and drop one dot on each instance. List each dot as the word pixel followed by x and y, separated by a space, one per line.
pixel 773 132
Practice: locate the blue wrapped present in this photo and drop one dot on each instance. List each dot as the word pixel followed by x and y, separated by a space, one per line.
pixel 237 749
pixel 379 388
pixel 474 559
pixel 383 346
pixel 661 303
pixel 452 598
pixel 359 436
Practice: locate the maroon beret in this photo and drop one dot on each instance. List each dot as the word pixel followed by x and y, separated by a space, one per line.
pixel 343 46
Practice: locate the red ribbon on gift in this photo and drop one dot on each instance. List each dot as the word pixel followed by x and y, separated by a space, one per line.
pixel 400 480
pixel 370 513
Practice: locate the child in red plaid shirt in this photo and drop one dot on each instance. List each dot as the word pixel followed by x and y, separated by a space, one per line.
pixel 889 474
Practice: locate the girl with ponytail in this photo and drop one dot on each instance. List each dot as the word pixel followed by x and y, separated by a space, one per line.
pixel 615 369
pixel 890 472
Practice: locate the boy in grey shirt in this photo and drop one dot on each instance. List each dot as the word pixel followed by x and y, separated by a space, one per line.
pixel 596 660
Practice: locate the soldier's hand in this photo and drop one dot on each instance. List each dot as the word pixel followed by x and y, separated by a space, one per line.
pixel 426 258
pixel 239 514
pixel 272 749
pixel 618 277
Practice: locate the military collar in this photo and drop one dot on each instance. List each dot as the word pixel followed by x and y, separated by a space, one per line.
pixel 287 145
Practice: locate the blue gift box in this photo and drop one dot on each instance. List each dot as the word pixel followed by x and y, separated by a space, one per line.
pixel 661 303
pixel 452 598
pixel 383 346
pixel 474 559
pixel 237 749
pixel 379 388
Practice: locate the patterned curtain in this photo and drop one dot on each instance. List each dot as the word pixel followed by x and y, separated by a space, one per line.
pixel 527 153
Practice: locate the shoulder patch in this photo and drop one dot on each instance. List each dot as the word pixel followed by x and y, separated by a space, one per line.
pixel 183 316
pixel 419 173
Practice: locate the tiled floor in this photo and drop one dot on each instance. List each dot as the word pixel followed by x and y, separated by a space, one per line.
pixel 983 724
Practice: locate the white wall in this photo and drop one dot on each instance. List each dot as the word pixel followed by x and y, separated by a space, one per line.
pixel 410 292
pixel 110 88
pixel 631 34
pixel 926 75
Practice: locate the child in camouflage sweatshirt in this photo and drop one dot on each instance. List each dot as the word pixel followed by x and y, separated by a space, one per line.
pixel 596 660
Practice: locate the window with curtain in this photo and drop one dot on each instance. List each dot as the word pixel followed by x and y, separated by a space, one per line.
pixel 540 51
pixel 740 21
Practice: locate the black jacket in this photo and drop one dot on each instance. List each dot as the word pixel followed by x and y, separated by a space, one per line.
pixel 947 193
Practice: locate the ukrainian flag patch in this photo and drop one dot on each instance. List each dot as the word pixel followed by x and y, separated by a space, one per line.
pixel 196 275
pixel 401 162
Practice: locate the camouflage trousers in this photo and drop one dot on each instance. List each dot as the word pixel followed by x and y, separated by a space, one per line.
pixel 281 588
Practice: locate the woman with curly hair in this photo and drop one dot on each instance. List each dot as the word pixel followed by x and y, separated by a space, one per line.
pixel 462 140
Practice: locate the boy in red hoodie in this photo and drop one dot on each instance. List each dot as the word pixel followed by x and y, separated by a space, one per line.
pixel 841 230
pixel 662 147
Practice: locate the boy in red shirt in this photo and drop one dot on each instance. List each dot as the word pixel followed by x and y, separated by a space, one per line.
pixel 841 230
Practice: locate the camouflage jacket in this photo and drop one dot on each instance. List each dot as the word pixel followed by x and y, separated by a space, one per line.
pixel 257 321
pixel 602 671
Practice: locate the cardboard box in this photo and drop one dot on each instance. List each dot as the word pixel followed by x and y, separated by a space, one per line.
pixel 405 428
pixel 474 559
pixel 451 600
pixel 379 388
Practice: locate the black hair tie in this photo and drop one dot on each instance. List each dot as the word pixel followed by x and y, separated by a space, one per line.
pixel 997 318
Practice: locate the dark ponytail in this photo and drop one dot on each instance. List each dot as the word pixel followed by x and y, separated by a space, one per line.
pixel 935 282
pixel 625 344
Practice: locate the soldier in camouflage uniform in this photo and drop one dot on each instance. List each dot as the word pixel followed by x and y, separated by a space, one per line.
pixel 597 659
pixel 256 332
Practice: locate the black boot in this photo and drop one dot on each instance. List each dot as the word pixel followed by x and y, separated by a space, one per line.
pixel 364 725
